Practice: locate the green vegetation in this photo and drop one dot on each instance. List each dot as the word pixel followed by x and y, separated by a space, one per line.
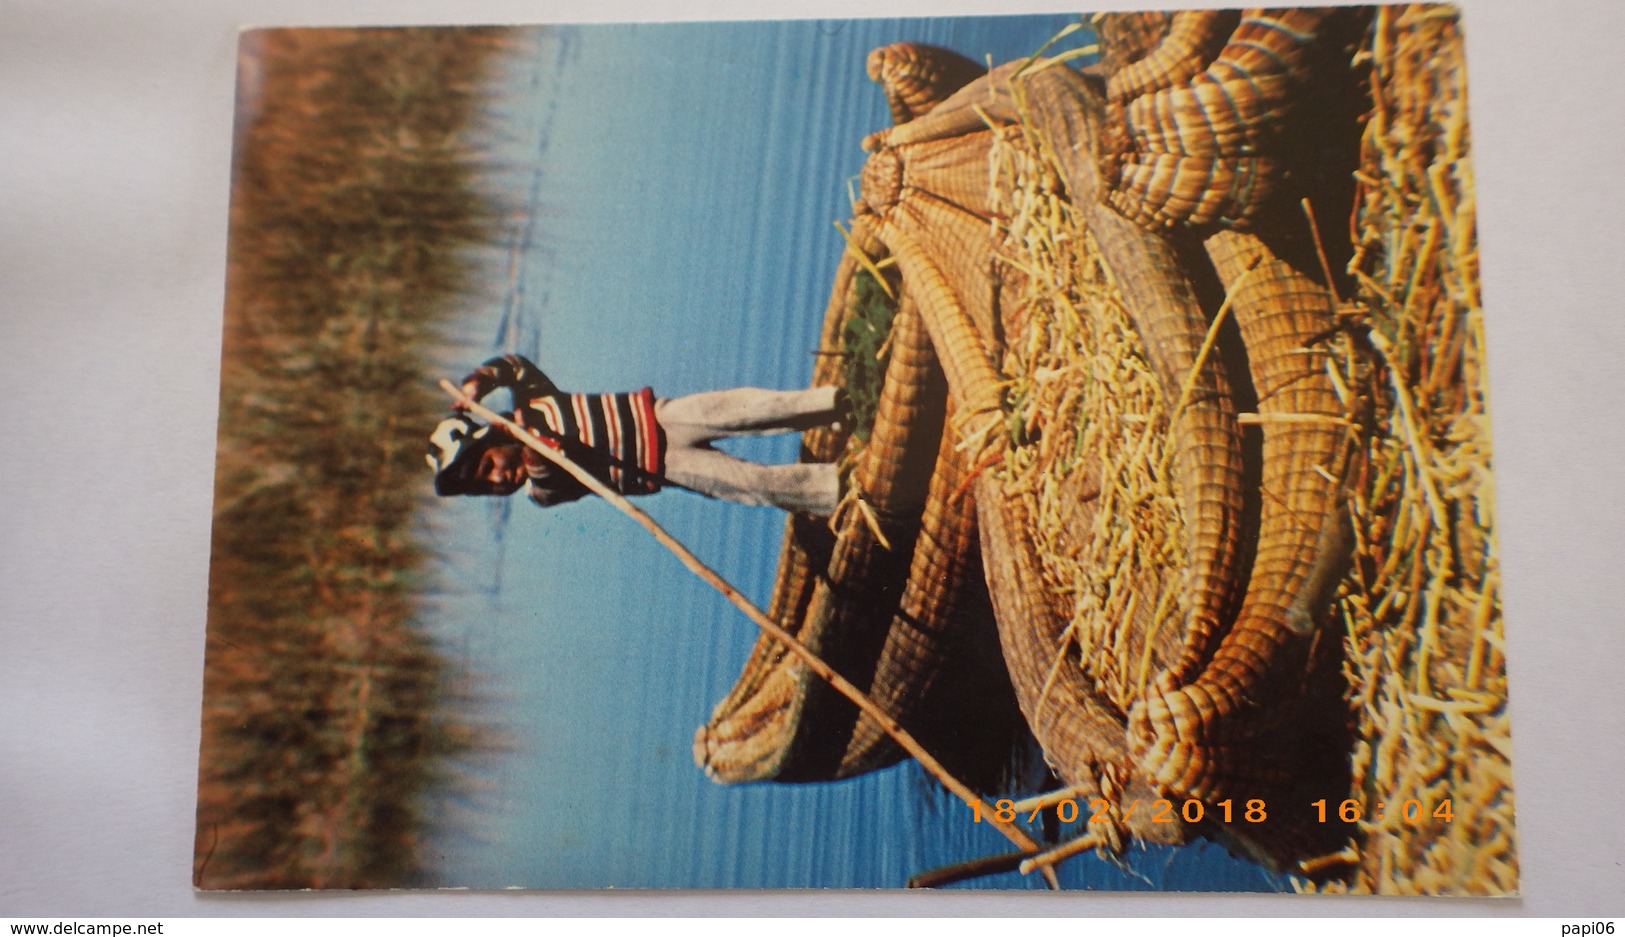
pixel 356 207
pixel 864 340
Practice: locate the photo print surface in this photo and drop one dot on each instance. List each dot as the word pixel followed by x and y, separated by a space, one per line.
pixel 1080 419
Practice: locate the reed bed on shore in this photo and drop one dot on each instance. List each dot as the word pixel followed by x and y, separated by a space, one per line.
pixel 330 720
pixel 1425 655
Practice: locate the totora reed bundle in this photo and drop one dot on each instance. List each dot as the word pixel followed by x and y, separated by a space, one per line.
pixel 1422 604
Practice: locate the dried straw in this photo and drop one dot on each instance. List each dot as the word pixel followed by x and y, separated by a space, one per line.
pixel 1087 420
pixel 1422 601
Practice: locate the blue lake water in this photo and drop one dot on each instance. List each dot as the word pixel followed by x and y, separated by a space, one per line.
pixel 676 187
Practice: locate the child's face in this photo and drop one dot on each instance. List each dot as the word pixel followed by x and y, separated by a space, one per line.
pixel 502 467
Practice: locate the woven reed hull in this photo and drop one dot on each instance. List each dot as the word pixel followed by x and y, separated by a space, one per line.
pixel 1193 738
pixel 843 614
pixel 854 603
pixel 750 733
pixel 960 247
pixel 972 381
pixel 940 672
pixel 1081 731
pixel 777 723
pixel 1146 52
pixel 1086 733
pixel 1173 326
pixel 1196 737
pixel 900 622
pixel 917 77
pixel 1287 319
pixel 1086 736
pixel 1201 147
pixel 933 198
pixel 1088 739
pixel 1125 38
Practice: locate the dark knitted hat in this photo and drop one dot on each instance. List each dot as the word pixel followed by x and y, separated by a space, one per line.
pixel 454 452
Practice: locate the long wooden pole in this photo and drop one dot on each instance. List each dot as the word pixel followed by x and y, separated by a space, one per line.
pixel 842 685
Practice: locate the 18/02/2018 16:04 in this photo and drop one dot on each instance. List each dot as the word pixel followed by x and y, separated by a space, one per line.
pixel 1192 811
pixel 1411 811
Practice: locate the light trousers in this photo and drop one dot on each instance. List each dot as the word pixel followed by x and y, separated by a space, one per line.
pixel 693 422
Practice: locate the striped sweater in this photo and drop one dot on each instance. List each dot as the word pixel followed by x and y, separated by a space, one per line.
pixel 613 436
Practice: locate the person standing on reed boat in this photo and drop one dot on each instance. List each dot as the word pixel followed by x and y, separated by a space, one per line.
pixel 635 443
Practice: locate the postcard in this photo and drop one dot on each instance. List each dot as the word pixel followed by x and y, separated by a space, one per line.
pixel 998 452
